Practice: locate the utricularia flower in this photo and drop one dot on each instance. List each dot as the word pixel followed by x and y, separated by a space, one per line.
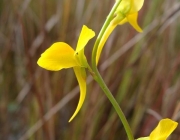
pixel 162 131
pixel 127 11
pixel 61 56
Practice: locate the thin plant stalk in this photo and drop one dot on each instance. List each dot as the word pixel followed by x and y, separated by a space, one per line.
pixel 99 79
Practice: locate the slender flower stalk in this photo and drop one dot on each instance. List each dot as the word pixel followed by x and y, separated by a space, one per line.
pixel 98 77
pixel 101 33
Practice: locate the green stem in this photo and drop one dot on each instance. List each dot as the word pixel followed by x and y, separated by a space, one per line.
pixel 116 106
pixel 101 33
pixel 99 79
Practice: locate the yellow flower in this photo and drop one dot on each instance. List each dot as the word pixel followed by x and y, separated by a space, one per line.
pixel 162 131
pixel 127 11
pixel 60 55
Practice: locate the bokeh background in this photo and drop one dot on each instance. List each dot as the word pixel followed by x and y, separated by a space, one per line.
pixel 141 70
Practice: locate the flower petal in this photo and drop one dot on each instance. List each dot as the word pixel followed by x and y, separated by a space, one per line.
pixel 136 5
pixel 108 31
pixel 85 35
pixel 132 19
pixel 81 77
pixel 60 55
pixel 144 138
pixel 163 130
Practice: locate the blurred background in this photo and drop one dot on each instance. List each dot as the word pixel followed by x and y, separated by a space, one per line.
pixel 141 70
